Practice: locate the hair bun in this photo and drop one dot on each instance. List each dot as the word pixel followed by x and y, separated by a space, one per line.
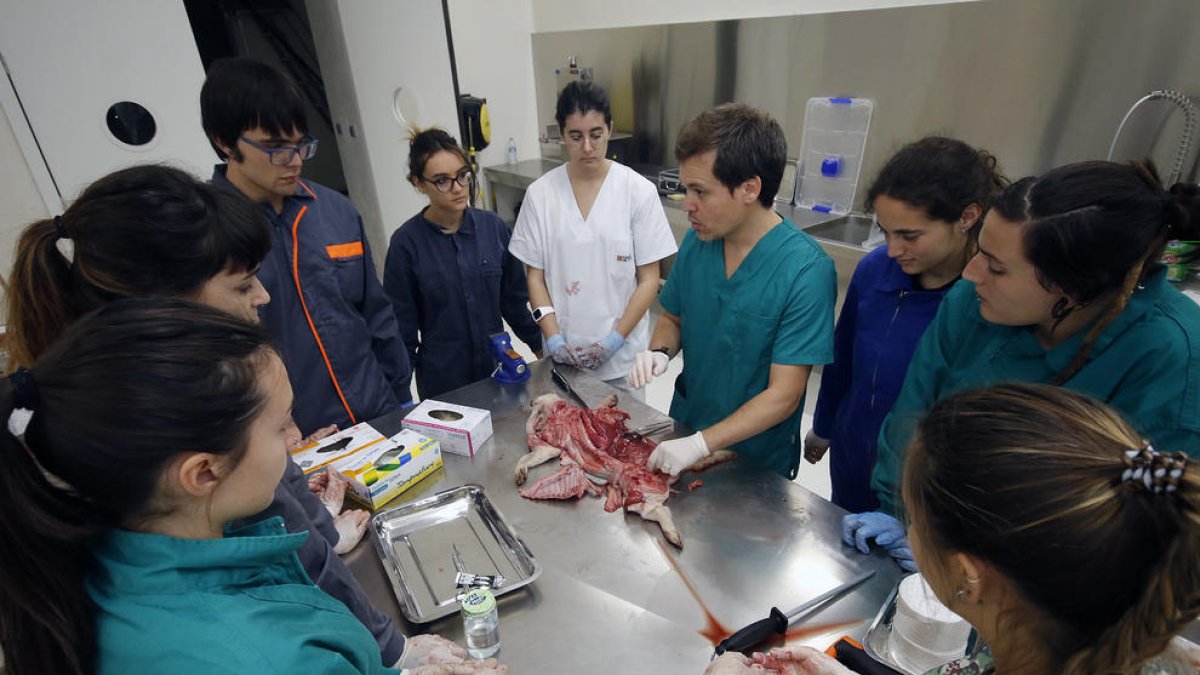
pixel 1181 210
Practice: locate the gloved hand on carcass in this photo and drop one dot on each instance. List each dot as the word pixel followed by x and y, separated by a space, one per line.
pixel 559 351
pixel 677 454
pixel 647 366
pixel 597 353
pixel 888 533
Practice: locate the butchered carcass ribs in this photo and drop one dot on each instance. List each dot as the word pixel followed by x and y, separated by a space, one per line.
pixel 598 456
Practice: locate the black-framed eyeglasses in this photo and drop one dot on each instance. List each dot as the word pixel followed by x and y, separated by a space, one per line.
pixel 282 155
pixel 443 183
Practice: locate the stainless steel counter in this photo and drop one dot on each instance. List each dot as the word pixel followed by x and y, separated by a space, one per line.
pixel 608 599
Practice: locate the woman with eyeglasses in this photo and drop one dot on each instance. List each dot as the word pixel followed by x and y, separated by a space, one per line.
pixel 592 233
pixel 449 273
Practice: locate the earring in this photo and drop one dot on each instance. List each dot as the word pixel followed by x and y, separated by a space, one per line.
pixel 1060 310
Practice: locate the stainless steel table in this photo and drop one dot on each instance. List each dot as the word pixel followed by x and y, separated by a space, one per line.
pixel 608 599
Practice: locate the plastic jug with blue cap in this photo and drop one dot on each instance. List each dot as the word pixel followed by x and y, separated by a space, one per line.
pixel 831 153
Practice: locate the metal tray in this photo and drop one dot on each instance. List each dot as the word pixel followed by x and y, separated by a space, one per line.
pixel 415 542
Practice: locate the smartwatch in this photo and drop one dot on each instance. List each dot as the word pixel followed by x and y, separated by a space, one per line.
pixel 540 313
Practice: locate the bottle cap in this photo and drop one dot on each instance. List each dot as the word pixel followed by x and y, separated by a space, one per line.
pixel 478 602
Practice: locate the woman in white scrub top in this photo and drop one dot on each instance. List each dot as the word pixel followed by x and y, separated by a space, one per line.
pixel 591 234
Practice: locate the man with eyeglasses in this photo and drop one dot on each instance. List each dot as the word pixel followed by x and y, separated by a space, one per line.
pixel 328 314
pixel 333 322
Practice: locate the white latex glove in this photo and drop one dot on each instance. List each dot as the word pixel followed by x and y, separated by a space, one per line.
pixel 646 366
pixel 815 447
pixel 485 667
pixel 677 454
pixel 732 663
pixel 799 661
pixel 330 489
pixel 350 527
pixel 425 650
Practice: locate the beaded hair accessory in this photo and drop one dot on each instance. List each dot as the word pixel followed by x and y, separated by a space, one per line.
pixel 1157 472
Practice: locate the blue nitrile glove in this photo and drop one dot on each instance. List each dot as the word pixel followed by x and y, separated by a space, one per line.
pixel 611 344
pixel 557 349
pixel 888 533
pixel 595 354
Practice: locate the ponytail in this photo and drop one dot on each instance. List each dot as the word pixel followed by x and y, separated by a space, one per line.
pixel 145 230
pixel 1169 602
pixel 1049 488
pixel 121 393
pixel 46 622
pixel 39 292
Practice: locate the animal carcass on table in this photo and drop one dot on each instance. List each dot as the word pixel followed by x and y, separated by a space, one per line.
pixel 598 455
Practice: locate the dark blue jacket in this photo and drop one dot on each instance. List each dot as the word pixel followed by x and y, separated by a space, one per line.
pixel 882 319
pixel 450 293
pixel 328 314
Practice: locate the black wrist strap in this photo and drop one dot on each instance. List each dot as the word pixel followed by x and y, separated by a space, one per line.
pixel 664 350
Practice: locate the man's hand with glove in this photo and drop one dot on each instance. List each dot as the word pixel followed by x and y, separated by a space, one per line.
pixel 559 351
pixel 647 366
pixel 597 353
pixel 677 454
pixel 888 533
pixel 815 447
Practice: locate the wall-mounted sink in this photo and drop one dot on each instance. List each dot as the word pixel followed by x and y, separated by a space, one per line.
pixel 848 230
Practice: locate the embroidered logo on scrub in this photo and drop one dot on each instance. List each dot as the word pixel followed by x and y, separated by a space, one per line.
pixel 573 288
pixel 624 258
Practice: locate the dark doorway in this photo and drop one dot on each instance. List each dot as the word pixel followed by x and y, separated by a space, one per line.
pixel 276 32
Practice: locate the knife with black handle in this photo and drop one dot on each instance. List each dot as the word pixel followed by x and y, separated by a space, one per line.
pixel 777 622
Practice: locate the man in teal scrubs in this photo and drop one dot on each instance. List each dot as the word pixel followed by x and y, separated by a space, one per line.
pixel 750 299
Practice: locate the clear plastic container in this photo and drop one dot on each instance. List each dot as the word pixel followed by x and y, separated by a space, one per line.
pixel 831 153
pixel 481 623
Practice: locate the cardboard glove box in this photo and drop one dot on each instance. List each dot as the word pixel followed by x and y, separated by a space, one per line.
pixel 377 469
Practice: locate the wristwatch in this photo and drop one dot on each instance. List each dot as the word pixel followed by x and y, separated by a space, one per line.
pixel 540 313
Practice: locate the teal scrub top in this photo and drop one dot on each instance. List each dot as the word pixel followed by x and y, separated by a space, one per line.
pixel 776 308
pixel 1146 364
pixel 241 604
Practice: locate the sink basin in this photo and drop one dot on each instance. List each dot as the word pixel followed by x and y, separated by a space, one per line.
pixel 848 230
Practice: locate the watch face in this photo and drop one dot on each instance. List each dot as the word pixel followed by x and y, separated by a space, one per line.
pixel 537 315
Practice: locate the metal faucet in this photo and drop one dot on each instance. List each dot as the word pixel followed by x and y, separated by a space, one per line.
pixel 1185 139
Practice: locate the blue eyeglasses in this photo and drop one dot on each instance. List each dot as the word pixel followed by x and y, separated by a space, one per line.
pixel 282 155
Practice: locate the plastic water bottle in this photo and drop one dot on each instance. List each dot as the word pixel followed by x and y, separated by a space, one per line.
pixel 481 623
pixel 512 150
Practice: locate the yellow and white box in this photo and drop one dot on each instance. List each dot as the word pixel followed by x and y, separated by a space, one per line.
pixel 376 469
pixel 459 429
pixel 316 456
pixel 379 473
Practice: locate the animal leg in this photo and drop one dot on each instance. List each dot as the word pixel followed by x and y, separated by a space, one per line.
pixel 537 455
pixel 660 514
